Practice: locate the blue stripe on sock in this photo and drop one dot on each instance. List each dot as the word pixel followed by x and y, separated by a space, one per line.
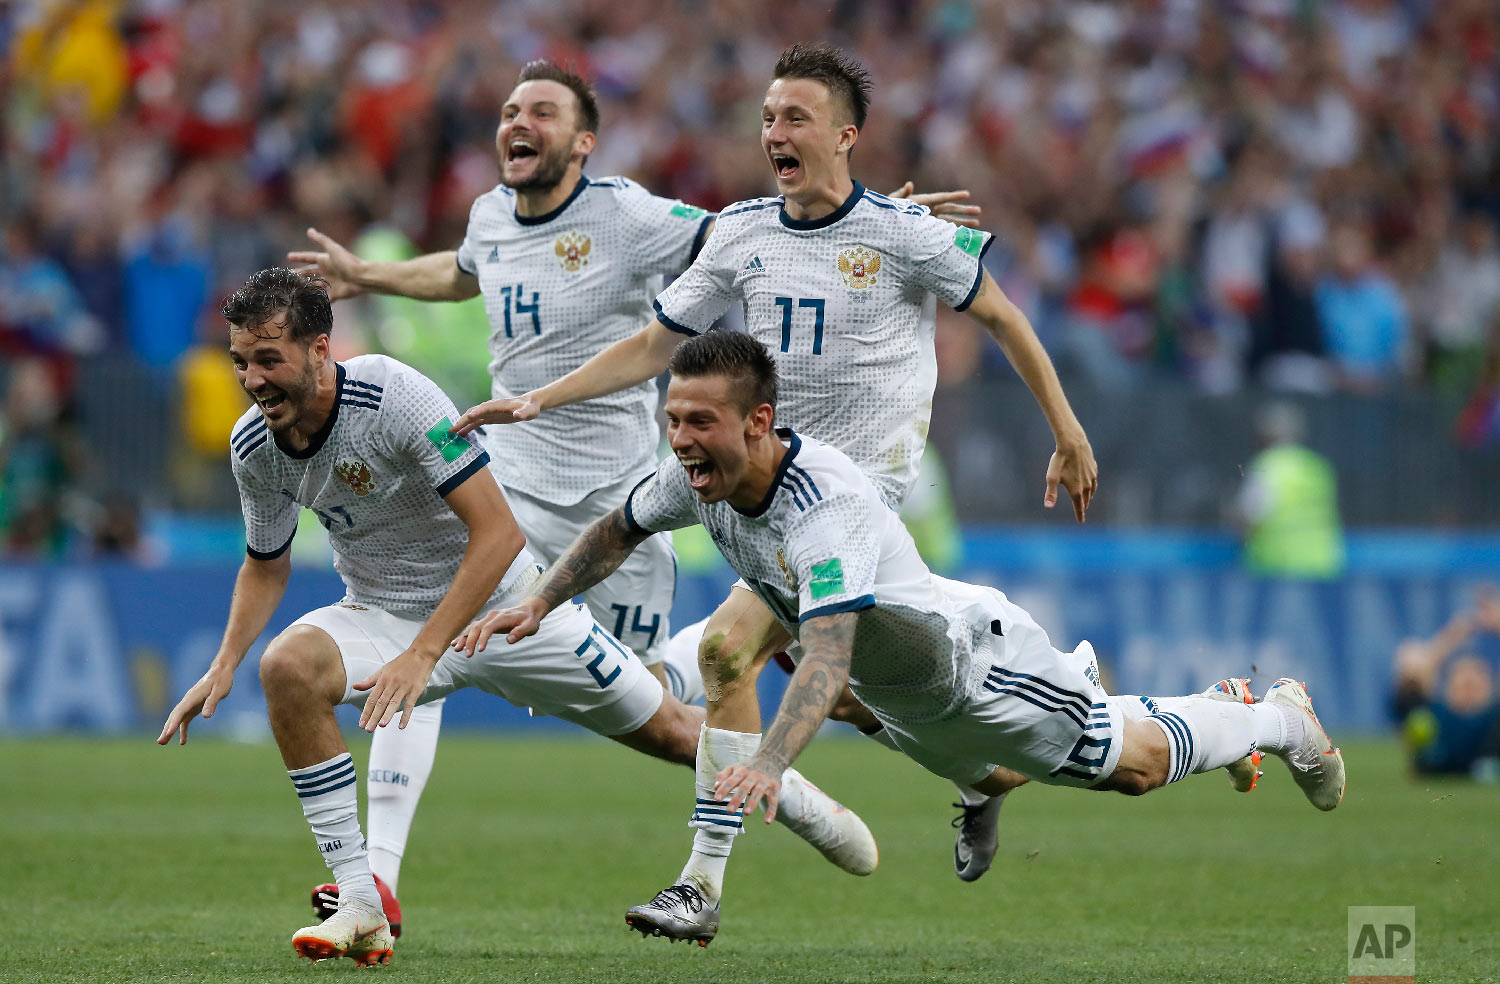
pixel 1174 738
pixel 338 763
pixel 720 823
pixel 320 792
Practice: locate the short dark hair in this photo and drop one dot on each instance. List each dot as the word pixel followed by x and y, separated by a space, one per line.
pixel 302 296
pixel 735 354
pixel 844 76
pixel 582 89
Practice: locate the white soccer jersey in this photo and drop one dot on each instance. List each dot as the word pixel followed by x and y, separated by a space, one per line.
pixel 839 302
pixel 376 475
pixel 559 288
pixel 824 541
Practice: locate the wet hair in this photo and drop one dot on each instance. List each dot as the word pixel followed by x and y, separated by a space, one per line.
pixel 582 89
pixel 301 297
pixel 846 79
pixel 732 354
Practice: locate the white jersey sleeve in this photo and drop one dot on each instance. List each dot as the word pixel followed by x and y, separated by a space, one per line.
pixel 946 260
pixel 418 416
pixel 665 234
pixel 270 515
pixel 832 549
pixel 694 301
pixel 662 500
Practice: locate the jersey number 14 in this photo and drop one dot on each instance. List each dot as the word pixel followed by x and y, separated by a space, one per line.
pixel 512 303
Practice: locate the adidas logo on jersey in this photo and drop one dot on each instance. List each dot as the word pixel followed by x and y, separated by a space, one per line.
pixel 754 266
pixel 494 256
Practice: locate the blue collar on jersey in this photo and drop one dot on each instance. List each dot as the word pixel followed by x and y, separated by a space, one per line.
pixel 315 444
pixel 830 218
pixel 583 183
pixel 794 445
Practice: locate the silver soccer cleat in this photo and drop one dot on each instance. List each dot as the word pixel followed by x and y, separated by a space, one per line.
pixel 678 913
pixel 978 836
pixel 1316 766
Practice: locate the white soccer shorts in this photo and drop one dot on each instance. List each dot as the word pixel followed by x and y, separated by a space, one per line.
pixel 635 602
pixel 571 668
pixel 1032 709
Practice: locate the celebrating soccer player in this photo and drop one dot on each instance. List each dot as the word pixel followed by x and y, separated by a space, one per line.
pixel 962 679
pixel 422 538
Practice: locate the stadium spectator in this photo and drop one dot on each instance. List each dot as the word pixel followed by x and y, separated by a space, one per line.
pixel 1445 696
pixel 1462 298
pixel 41 463
pixel 1363 317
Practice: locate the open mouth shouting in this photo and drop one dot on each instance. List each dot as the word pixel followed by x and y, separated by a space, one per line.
pixel 699 471
pixel 271 403
pixel 787 167
pixel 520 149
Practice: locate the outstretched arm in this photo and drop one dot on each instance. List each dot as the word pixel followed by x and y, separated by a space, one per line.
pixel 257 592
pixel 626 363
pixel 494 542
pixel 595 555
pixel 433 277
pixel 1072 464
pixel 828 642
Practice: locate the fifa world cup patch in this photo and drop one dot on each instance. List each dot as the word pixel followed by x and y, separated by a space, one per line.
pixel 451 445
pixel 572 249
pixel 858 265
pixel 356 475
pixel 684 211
pixel 827 578
pixel 969 241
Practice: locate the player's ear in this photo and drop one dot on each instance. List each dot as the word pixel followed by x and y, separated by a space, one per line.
pixel 758 424
pixel 583 143
pixel 848 134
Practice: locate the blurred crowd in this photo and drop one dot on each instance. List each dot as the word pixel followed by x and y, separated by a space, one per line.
pixel 1297 194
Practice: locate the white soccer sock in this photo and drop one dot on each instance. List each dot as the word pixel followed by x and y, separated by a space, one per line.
pixel 971 796
pixel 400 762
pixel 680 660
pixel 716 826
pixel 330 802
pixel 1277 730
pixel 1204 734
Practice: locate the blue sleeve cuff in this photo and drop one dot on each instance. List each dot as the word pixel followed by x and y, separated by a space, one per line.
pixel 702 236
pixel 462 475
pixel 680 329
pixel 272 554
pixel 630 520
pixel 978 277
pixel 852 605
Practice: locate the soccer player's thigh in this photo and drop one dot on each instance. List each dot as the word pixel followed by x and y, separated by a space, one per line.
pixel 635 602
pixel 570 668
pixel 368 638
pixel 1041 711
pixel 740 636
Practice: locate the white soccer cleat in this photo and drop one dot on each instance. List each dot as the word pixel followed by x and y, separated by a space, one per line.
pixel 1315 764
pixel 357 930
pixel 1245 772
pixel 835 830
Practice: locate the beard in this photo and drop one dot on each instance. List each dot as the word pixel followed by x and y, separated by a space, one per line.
pixel 549 170
pixel 298 396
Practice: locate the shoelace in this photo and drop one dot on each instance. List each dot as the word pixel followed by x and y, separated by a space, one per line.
pixel 970 815
pixel 685 895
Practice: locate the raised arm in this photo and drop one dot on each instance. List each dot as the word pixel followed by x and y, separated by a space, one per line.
pixel 494 542
pixel 828 646
pixel 595 555
pixel 624 364
pixel 257 591
pixel 433 277
pixel 1072 464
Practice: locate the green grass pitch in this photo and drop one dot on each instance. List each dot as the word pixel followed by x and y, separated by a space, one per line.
pixel 122 861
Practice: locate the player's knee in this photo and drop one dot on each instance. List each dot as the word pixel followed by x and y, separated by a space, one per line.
pixel 725 658
pixel 295 660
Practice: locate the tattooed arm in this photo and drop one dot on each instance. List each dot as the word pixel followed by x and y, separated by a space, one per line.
pixel 1072 463
pixel 828 641
pixel 595 555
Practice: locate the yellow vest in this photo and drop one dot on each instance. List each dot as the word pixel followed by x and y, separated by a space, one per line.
pixel 1299 535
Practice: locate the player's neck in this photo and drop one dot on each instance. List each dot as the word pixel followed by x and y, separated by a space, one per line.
pixel 310 422
pixel 760 473
pixel 819 202
pixel 532 202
